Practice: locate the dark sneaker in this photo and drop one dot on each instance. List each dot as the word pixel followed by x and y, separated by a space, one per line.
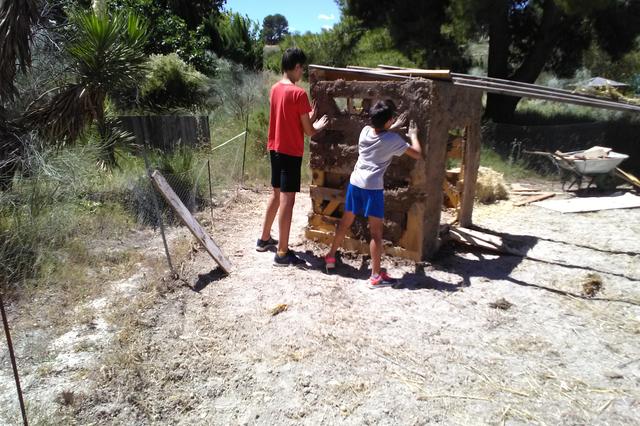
pixel 382 280
pixel 289 259
pixel 263 245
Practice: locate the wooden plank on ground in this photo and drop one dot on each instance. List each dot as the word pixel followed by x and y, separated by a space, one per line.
pixel 534 198
pixel 628 177
pixel 187 218
pixel 482 240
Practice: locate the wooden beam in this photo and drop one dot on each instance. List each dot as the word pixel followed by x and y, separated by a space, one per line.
pixel 323 193
pixel 331 73
pixel 534 198
pixel 471 164
pixel 482 240
pixel 187 218
pixel 359 246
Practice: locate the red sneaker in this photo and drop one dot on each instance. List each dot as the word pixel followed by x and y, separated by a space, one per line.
pixel 329 263
pixel 381 280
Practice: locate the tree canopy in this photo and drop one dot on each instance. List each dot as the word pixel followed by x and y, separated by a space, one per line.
pixel 525 36
pixel 274 28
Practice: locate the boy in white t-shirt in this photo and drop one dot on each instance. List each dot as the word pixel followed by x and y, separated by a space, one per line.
pixel 365 197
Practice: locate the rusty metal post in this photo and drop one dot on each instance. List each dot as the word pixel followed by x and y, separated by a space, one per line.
pixel 5 322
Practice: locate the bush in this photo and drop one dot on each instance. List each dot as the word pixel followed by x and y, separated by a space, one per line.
pixel 171 83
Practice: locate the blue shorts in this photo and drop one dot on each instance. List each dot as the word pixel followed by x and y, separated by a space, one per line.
pixel 365 202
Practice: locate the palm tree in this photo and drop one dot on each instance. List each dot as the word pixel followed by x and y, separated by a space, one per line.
pixel 17 18
pixel 107 54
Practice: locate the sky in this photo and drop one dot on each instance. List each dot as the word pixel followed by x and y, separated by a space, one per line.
pixel 302 15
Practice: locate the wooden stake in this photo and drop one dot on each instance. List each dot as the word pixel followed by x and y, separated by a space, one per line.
pixel 187 218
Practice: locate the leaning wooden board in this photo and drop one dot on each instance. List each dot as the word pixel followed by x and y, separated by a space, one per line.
pixel 187 218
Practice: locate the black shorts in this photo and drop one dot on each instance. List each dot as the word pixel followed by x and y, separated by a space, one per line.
pixel 285 172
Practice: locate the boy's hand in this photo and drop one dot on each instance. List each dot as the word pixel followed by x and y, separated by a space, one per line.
pixel 321 123
pixel 399 121
pixel 413 130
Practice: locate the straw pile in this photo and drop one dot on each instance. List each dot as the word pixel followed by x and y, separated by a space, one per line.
pixel 490 186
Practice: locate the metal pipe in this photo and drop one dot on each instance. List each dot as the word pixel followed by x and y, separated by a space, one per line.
pixel 14 365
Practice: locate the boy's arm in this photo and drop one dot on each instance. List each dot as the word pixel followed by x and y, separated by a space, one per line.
pixel 415 150
pixel 311 129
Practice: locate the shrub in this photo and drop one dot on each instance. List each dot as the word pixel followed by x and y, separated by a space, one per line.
pixel 171 83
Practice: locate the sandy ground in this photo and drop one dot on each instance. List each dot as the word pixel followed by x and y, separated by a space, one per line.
pixel 213 349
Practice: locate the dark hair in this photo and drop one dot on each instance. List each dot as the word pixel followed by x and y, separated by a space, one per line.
pixel 381 112
pixel 292 57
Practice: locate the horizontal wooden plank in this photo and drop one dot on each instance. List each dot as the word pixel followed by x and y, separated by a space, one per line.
pixel 359 246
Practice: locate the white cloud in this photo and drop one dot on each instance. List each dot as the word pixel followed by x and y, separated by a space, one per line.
pixel 324 17
pixel 327 27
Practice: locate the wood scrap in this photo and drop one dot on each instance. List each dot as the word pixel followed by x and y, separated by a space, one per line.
pixel 516 187
pixel 534 198
pixel 482 240
pixel 628 177
pixel 187 218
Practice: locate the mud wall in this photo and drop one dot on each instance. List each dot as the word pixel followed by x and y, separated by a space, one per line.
pixel 413 188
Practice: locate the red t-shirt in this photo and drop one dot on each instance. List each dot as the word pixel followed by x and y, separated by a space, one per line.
pixel 288 103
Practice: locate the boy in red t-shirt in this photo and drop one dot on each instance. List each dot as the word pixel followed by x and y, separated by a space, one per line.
pixel 289 120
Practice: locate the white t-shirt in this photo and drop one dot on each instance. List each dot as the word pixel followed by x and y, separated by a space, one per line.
pixel 376 150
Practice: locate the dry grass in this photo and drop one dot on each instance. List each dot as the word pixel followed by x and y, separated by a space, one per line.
pixel 490 186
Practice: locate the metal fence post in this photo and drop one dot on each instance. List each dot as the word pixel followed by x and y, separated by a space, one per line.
pixel 244 153
pixel 210 191
pixel 5 322
pixel 156 206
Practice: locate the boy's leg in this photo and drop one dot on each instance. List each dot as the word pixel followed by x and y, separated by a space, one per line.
pixel 290 177
pixel 265 240
pixel 272 211
pixel 375 229
pixel 346 222
pixel 287 201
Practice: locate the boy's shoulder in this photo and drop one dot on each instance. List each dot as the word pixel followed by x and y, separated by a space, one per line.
pixel 280 86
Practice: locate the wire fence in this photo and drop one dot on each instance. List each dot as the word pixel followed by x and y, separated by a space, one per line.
pixel 202 181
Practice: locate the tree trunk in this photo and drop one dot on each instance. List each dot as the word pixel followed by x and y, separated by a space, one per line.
pixel 498 106
pixel 99 7
pixel 103 132
pixel 502 108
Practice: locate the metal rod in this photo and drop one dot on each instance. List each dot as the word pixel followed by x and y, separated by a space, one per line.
pixel 527 85
pixel 544 94
pixel 244 152
pixel 520 94
pixel 522 84
pixel 156 205
pixel 210 191
pixel 521 89
pixel 12 356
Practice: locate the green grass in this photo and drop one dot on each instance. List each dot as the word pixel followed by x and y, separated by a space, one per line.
pixel 510 168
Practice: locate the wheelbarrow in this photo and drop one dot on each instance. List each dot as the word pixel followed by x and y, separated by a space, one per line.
pixel 576 166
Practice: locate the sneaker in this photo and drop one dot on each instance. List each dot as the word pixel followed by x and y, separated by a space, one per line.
pixel 329 263
pixel 263 245
pixel 382 280
pixel 288 259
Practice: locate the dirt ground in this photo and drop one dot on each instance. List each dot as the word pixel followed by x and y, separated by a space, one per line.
pixel 270 345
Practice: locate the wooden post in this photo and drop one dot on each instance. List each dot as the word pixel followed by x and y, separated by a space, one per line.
pixel 435 164
pixel 471 164
pixel 187 218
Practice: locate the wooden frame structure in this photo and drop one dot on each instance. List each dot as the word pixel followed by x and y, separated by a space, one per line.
pixel 413 189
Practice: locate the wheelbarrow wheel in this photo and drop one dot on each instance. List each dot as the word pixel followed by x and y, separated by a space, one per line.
pixel 606 182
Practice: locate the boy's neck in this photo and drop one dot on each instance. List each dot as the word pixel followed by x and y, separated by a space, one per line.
pixel 286 78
